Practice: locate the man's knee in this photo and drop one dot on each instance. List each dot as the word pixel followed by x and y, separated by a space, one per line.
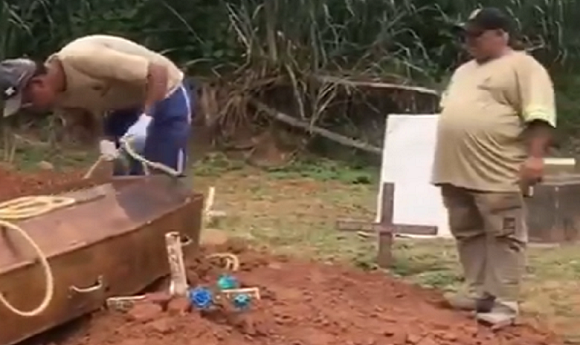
pixel 504 215
pixel 464 218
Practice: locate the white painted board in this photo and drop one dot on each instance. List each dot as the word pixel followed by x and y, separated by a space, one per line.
pixel 407 162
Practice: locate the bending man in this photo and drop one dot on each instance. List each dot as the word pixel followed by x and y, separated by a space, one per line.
pixel 141 94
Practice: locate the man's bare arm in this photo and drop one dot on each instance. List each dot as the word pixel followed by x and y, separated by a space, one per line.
pixel 539 136
pixel 538 108
pixel 157 80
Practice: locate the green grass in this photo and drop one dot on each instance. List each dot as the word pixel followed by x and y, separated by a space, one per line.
pixel 293 210
pixel 29 157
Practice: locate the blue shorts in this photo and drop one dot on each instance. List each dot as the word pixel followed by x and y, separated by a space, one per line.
pixel 168 133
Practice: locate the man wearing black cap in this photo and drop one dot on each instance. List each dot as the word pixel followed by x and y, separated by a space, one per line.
pixel 497 116
pixel 139 94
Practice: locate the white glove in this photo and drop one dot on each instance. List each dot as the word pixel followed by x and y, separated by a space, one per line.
pixel 108 150
pixel 139 129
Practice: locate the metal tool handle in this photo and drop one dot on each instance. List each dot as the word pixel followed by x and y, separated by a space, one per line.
pixel 96 287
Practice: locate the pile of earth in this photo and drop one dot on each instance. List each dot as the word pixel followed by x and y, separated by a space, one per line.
pixel 15 184
pixel 302 303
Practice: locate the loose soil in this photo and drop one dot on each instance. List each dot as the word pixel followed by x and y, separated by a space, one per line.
pixel 303 303
pixel 15 184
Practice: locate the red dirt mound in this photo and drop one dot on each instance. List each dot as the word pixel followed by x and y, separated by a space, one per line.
pixel 15 184
pixel 304 303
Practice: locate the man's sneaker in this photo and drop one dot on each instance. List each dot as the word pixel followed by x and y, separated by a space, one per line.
pixel 464 302
pixel 501 315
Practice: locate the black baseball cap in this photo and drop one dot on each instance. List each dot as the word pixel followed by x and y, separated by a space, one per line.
pixel 487 18
pixel 14 76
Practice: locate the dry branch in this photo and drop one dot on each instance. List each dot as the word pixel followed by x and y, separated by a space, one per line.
pixel 294 122
pixel 30 142
pixel 378 85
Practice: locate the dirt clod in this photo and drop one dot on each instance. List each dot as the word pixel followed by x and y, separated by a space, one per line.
pixel 178 306
pixel 144 312
pixel 213 237
pixel 161 298
pixel 162 326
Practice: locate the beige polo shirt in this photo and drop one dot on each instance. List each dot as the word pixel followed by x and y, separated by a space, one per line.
pixel 485 110
pixel 106 73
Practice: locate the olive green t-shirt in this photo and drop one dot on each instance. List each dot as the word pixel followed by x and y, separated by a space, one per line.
pixel 485 110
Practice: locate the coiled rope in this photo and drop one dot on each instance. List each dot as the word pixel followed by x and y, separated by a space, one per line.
pixel 231 261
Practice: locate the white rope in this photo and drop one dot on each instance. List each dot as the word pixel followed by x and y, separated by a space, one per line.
pixel 126 145
pixel 23 208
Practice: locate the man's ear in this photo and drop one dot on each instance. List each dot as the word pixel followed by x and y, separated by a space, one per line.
pixel 504 34
pixel 35 81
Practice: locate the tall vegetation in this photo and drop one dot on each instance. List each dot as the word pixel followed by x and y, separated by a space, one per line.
pixel 250 43
pixel 404 37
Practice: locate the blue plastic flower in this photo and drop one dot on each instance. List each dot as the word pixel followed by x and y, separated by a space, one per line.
pixel 201 298
pixel 242 301
pixel 227 282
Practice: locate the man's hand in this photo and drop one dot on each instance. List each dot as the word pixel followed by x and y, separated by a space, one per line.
pixel 139 129
pixel 108 150
pixel 532 171
pixel 137 134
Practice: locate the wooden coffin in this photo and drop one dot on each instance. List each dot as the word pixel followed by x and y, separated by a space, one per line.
pixel 554 210
pixel 112 244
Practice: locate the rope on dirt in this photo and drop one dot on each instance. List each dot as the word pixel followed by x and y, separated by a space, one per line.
pixel 232 262
pixel 24 208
